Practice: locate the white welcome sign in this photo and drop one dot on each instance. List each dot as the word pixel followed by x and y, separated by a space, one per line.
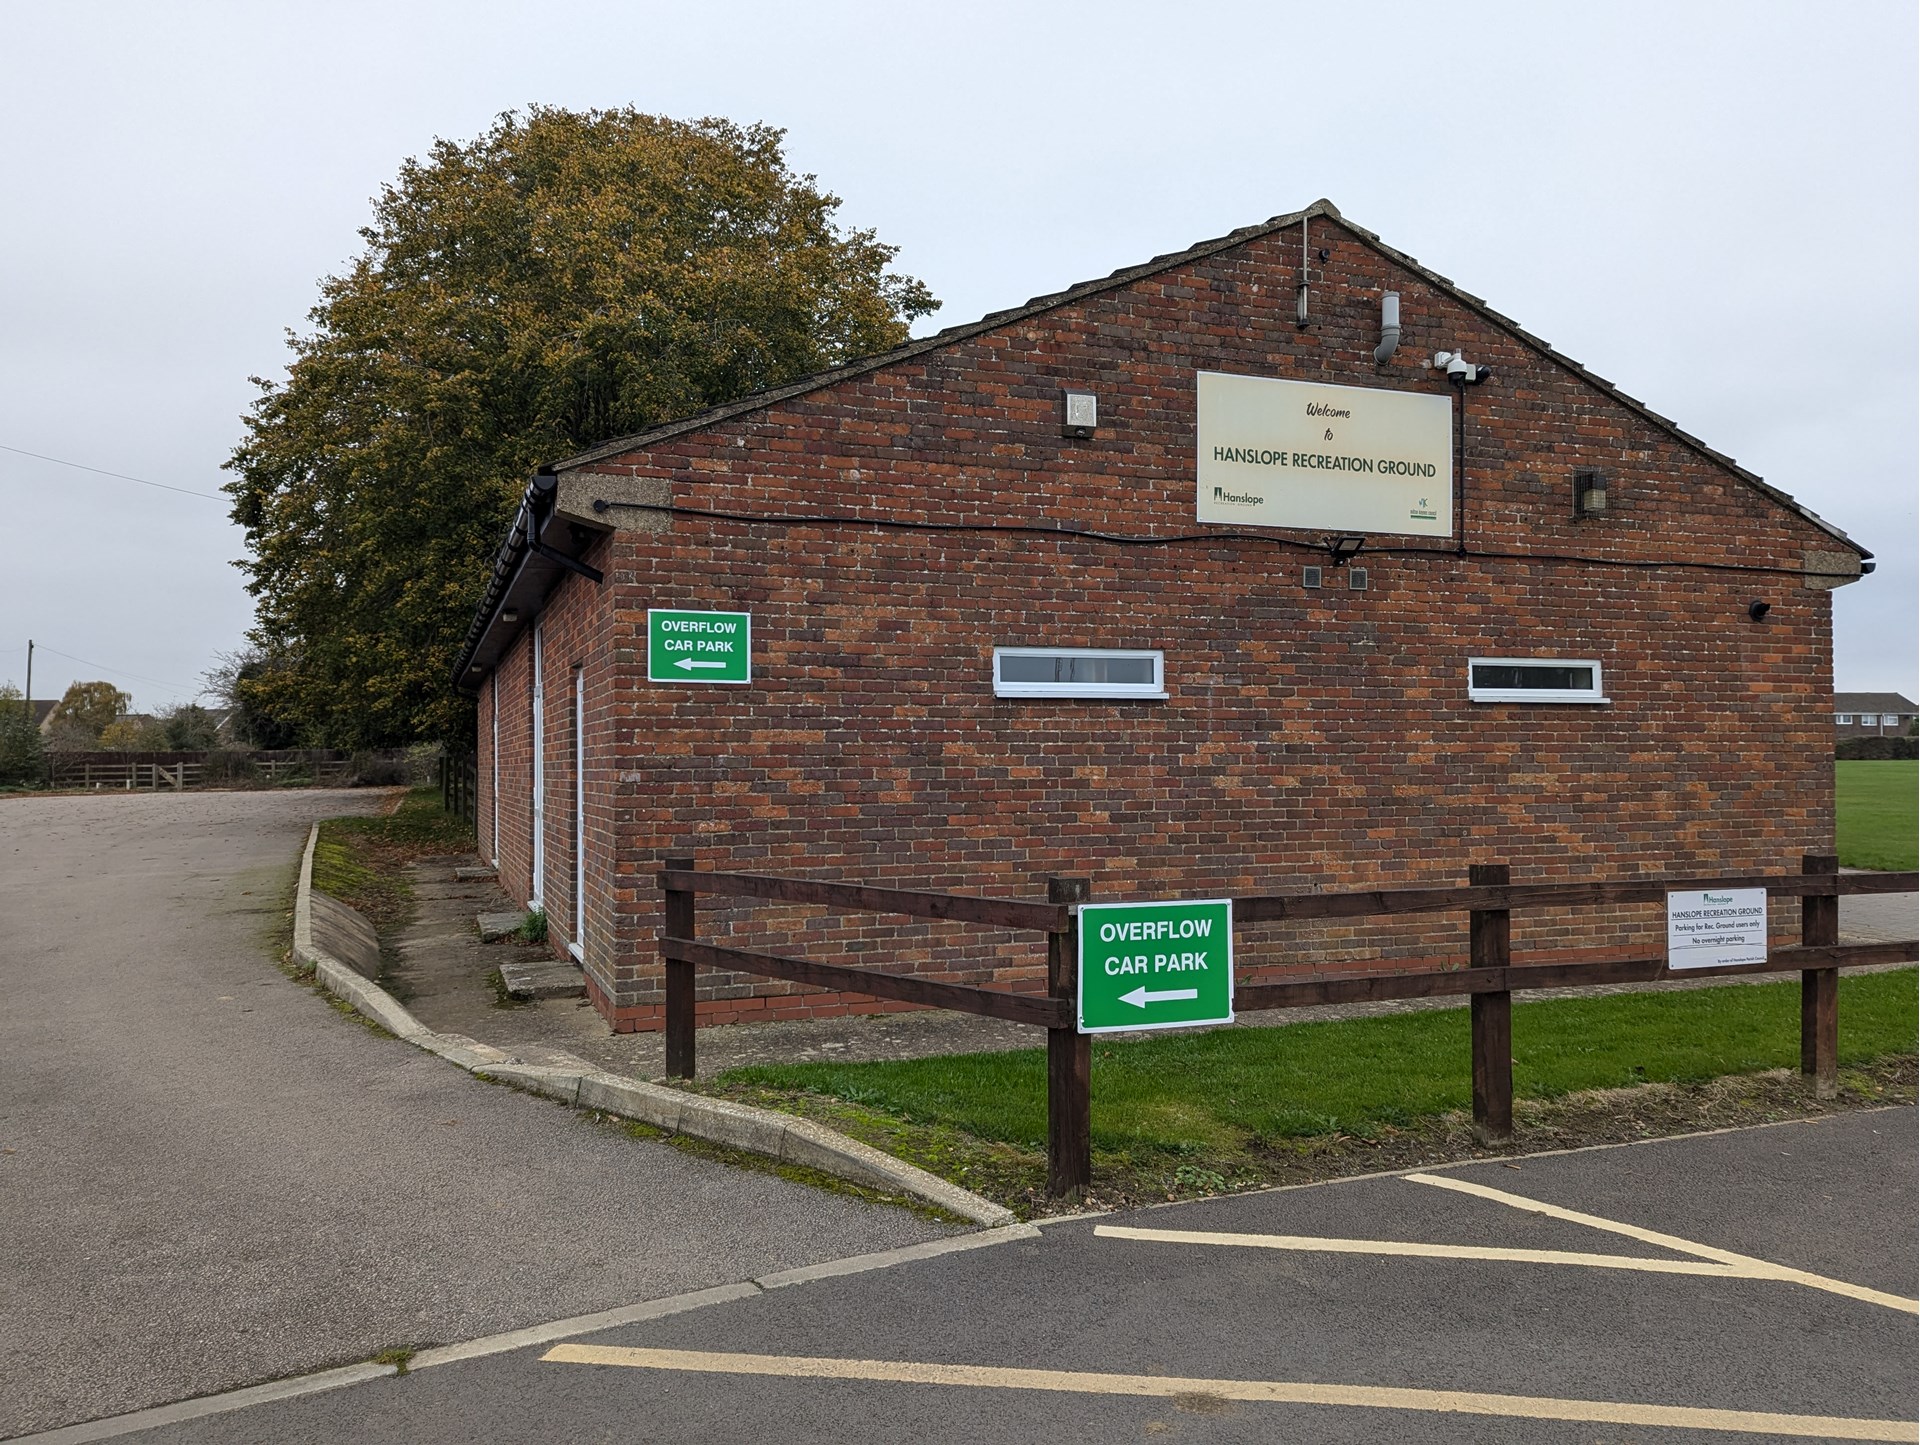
pixel 1714 928
pixel 1304 454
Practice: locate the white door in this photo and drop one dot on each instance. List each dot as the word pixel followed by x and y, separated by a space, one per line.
pixel 578 947
pixel 539 780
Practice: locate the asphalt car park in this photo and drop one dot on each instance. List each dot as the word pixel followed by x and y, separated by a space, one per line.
pixel 1751 1284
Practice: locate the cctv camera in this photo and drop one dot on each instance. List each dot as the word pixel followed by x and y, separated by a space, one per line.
pixel 1460 371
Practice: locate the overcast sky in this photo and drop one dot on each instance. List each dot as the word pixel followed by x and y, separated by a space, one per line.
pixel 1712 205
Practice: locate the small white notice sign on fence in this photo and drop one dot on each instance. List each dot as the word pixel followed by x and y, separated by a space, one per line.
pixel 1709 929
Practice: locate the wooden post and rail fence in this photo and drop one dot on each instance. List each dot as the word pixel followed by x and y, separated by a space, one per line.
pixel 459 785
pixel 1490 979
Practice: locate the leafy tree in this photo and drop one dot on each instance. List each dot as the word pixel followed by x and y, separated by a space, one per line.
pixel 188 728
pixel 20 755
pixel 84 712
pixel 134 733
pixel 566 278
pixel 237 681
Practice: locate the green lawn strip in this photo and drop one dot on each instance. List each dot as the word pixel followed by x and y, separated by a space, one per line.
pixel 1219 1106
pixel 362 861
pixel 1877 818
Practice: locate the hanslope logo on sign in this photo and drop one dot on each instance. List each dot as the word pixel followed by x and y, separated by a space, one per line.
pixel 1716 930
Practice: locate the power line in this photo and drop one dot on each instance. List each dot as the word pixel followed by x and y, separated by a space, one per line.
pixel 120 671
pixel 100 471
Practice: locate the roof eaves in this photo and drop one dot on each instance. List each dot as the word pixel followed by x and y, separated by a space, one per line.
pixel 1600 383
pixel 993 321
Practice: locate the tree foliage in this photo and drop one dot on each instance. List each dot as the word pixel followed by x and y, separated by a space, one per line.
pixel 236 681
pixel 134 733
pixel 188 728
pixel 564 279
pixel 84 712
pixel 20 754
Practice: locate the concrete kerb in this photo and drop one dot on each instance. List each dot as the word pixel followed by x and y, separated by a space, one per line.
pixel 739 1126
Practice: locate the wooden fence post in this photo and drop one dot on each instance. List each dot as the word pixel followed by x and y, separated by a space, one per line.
pixel 679 924
pixel 1820 987
pixel 1069 1057
pixel 1490 945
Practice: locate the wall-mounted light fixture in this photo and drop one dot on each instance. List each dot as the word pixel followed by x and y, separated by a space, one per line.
pixel 1757 609
pixel 1589 494
pixel 509 614
pixel 1079 413
pixel 1342 550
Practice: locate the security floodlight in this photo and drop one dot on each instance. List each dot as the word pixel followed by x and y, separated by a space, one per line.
pixel 1342 550
pixel 1080 413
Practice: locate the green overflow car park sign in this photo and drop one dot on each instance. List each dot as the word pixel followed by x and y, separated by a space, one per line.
pixel 1155 965
pixel 685 646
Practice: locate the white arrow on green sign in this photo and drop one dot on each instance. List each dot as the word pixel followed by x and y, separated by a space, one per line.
pixel 690 646
pixel 1155 965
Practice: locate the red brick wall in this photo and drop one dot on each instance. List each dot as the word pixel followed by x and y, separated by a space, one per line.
pixel 513 678
pixel 1312 738
pixel 574 643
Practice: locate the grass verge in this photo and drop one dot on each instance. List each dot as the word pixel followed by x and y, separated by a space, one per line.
pixel 1877 814
pixel 1183 1115
pixel 362 861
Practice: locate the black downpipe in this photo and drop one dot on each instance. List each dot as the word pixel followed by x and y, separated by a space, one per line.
pixel 1460 467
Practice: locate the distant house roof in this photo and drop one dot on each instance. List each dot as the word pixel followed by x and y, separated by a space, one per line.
pixel 1880 702
pixel 43 709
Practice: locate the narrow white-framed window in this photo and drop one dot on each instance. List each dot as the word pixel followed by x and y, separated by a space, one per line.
pixel 1078 672
pixel 539 899
pixel 494 790
pixel 575 946
pixel 1845 719
pixel 1890 720
pixel 1534 679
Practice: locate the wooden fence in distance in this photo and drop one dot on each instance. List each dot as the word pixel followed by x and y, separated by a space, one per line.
pixel 152 770
pixel 1490 979
pixel 459 785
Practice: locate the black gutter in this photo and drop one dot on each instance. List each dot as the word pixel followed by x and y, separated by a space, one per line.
pixel 536 506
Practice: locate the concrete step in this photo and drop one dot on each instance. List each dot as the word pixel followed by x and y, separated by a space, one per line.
pixel 435 892
pixel 473 875
pixel 498 925
pixel 543 978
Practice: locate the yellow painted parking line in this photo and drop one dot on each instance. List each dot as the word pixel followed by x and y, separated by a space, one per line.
pixel 1274 1392
pixel 1744 1264
pixel 1413 1248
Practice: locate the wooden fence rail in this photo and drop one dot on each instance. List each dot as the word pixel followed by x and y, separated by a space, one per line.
pixel 198 768
pixel 1490 979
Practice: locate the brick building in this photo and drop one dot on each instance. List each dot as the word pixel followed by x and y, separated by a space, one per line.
pixel 1007 620
pixel 1872 715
